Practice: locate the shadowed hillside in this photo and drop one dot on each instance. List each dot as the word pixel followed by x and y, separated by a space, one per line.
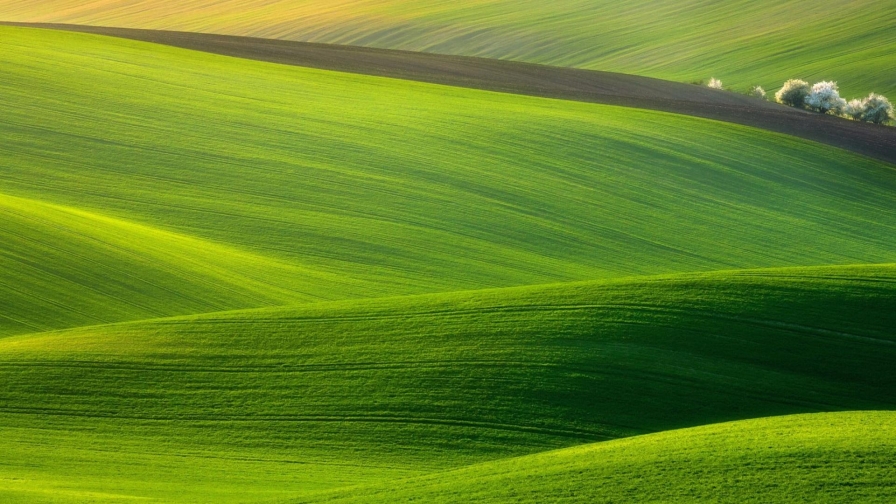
pixel 839 457
pixel 396 387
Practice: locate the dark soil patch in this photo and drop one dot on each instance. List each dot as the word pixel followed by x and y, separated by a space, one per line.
pixel 536 80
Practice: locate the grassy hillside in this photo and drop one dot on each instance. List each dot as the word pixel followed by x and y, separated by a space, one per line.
pixel 823 457
pixel 368 186
pixel 742 42
pixel 63 267
pixel 292 400
pixel 142 181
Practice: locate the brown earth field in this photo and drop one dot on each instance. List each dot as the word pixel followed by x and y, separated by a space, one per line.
pixel 530 79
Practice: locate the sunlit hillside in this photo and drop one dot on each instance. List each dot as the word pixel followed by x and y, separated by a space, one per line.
pixel 742 42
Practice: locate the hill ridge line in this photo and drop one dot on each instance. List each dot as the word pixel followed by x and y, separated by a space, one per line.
pixel 191 262
pixel 372 301
pixel 124 222
pixel 531 79
pixel 554 458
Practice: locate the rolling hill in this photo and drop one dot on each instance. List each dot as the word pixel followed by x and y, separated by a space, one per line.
pixel 528 79
pixel 824 458
pixel 369 186
pixel 63 267
pixel 742 42
pixel 227 280
pixel 299 399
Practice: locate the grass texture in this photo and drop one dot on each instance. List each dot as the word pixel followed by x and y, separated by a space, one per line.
pixel 167 218
pixel 822 457
pixel 743 42
pixel 295 400
pixel 63 267
pixel 315 185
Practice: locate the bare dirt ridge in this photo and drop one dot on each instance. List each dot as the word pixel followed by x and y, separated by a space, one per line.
pixel 609 88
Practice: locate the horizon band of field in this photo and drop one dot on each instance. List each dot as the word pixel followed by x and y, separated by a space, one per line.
pixel 591 86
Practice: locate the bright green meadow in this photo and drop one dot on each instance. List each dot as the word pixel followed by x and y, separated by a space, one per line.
pixel 231 281
pixel 260 184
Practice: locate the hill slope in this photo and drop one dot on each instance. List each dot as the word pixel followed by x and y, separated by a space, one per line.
pixel 823 457
pixel 63 267
pixel 394 187
pixel 743 42
pixel 530 79
pixel 324 395
pixel 143 181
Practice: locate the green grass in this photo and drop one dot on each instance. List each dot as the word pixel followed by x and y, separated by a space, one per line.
pixel 63 267
pixel 141 182
pixel 299 399
pixel 742 42
pixel 368 186
pixel 823 458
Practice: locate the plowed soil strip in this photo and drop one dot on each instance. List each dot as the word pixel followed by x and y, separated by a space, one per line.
pixel 529 79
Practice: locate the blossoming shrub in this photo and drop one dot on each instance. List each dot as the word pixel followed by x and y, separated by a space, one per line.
pixel 757 92
pixel 877 109
pixel 854 109
pixel 825 97
pixel 793 93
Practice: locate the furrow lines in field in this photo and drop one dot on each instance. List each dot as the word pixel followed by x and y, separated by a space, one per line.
pixel 513 77
pixel 218 418
pixel 37 297
pixel 528 308
pixel 107 268
pixel 284 367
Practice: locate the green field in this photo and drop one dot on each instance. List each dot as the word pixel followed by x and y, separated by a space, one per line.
pixel 231 281
pixel 742 42
pixel 319 185
pixel 830 458
pixel 335 394
pixel 63 267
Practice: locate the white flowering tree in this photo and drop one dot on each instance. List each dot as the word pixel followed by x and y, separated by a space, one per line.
pixel 757 92
pixel 825 97
pixel 715 83
pixel 854 109
pixel 877 109
pixel 793 93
